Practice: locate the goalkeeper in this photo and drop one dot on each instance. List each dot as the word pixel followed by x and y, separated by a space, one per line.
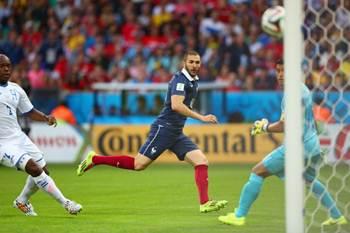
pixel 273 164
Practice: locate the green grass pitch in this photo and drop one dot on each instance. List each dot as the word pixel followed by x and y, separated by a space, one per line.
pixel 162 198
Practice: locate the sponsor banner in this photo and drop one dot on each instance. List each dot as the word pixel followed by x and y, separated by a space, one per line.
pixel 221 143
pixel 335 139
pixel 60 144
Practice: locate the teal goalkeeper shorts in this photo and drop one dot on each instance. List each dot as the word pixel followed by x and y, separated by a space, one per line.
pixel 274 164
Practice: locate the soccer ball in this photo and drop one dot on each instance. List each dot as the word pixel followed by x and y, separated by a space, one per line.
pixel 272 21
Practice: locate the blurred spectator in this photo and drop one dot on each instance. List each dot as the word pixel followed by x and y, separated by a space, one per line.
pixel 13 47
pixel 141 109
pixel 63 112
pixel 225 75
pixel 97 110
pixel 137 70
pixel 339 82
pixel 157 105
pixel 161 75
pixel 162 13
pixel 19 76
pixel 62 9
pixel 37 76
pixel 212 26
pixel 345 67
pixel 51 50
pixel 113 111
pixel 176 58
pixel 97 74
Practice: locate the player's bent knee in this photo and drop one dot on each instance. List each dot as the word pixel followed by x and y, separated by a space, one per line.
pixel 46 170
pixel 23 162
pixel 260 170
pixel 196 158
pixel 33 168
pixel 140 167
pixel 203 161
pixel 141 162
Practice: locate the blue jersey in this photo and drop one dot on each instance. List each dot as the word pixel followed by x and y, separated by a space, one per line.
pixel 182 84
pixel 309 129
pixel 310 138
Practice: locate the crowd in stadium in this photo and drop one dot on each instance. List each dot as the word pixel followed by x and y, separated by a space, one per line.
pixel 74 43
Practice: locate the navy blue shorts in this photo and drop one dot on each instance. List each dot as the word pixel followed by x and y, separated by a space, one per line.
pixel 161 138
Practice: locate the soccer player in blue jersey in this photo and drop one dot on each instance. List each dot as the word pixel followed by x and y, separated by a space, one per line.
pixel 273 164
pixel 167 133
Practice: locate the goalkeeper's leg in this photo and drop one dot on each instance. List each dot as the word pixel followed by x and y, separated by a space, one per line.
pixel 325 198
pixel 323 195
pixel 272 164
pixel 249 194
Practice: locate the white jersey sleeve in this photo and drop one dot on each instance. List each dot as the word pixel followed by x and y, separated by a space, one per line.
pixel 24 104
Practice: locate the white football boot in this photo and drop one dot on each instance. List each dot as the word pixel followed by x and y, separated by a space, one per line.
pixel 25 207
pixel 72 207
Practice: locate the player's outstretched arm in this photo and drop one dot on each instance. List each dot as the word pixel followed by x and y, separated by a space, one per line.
pixel 263 126
pixel 177 105
pixel 276 127
pixel 36 115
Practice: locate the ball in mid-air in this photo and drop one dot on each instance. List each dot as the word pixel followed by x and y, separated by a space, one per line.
pixel 272 21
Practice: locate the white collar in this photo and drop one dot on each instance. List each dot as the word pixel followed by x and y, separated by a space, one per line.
pixel 188 76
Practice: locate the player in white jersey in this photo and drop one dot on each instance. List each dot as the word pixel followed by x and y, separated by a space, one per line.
pixel 18 151
pixel 273 164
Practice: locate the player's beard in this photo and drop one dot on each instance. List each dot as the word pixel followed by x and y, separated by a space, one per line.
pixel 192 72
pixel 5 77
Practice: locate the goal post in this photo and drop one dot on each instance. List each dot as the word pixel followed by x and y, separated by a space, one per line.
pixel 294 185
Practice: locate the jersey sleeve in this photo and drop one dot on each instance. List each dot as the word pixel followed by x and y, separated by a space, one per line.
pixel 24 104
pixel 178 87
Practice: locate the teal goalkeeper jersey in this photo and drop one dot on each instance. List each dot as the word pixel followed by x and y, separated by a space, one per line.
pixel 310 138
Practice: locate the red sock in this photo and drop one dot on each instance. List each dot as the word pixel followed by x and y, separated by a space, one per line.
pixel 201 176
pixel 120 161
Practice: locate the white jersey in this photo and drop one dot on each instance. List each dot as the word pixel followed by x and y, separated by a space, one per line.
pixel 12 97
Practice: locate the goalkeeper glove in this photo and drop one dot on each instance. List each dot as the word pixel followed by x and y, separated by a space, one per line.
pixel 259 127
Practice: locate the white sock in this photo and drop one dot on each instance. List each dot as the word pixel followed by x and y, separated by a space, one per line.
pixel 28 190
pixel 47 184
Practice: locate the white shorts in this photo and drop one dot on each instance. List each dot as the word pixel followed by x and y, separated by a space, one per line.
pixel 17 152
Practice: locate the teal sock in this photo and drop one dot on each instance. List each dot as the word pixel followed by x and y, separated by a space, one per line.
pixel 326 199
pixel 249 194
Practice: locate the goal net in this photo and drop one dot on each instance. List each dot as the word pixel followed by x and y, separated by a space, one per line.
pixel 327 72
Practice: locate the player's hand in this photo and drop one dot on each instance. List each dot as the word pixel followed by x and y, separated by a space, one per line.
pixel 259 127
pixel 209 119
pixel 51 120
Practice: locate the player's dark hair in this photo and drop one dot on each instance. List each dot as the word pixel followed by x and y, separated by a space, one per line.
pixel 190 52
pixel 279 62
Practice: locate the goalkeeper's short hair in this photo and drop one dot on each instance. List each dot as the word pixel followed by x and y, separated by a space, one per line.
pixel 280 61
